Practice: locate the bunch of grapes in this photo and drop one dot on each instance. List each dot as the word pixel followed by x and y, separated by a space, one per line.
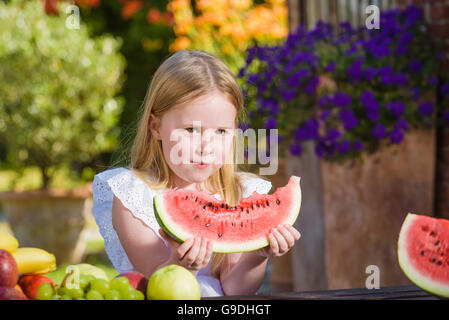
pixel 91 288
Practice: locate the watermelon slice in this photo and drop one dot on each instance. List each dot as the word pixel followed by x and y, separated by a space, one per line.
pixel 184 214
pixel 423 252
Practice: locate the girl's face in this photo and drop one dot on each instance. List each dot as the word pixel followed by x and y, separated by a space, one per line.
pixel 196 137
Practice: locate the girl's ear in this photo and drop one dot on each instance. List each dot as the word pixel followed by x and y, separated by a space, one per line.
pixel 153 126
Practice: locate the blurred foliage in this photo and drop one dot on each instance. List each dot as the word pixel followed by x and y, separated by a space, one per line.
pixel 226 28
pixel 58 104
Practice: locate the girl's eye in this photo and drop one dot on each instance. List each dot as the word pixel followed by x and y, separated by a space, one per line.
pixel 222 131
pixel 190 129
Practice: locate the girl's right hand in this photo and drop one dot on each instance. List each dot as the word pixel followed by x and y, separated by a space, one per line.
pixel 193 254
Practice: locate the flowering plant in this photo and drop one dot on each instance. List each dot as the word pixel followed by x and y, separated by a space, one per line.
pixel 348 90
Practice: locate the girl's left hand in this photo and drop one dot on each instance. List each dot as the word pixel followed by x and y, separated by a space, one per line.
pixel 282 238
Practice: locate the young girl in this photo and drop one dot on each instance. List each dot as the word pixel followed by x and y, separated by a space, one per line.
pixel 189 87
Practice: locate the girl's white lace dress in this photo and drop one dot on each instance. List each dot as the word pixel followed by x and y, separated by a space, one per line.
pixel 138 198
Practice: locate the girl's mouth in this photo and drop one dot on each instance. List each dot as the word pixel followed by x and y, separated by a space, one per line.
pixel 200 165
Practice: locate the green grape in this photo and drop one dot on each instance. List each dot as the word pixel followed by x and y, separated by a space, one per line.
pixel 66 297
pixel 56 297
pixel 130 295
pixel 45 291
pixel 100 285
pixel 119 283
pixel 140 295
pixel 84 281
pixel 112 294
pixel 94 295
pixel 74 293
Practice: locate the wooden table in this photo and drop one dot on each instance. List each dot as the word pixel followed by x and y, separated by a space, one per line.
pixel 386 293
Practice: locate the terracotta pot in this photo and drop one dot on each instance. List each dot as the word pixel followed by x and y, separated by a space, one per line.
pixel 352 214
pixel 50 219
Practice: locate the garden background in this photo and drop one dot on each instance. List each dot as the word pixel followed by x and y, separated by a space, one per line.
pixel 358 111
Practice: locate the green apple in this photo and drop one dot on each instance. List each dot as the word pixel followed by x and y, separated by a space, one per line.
pixel 173 282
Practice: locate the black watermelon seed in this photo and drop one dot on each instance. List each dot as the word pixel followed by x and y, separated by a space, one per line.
pixel 241 224
pixel 439 263
pixel 432 233
pixel 247 211
pixel 216 208
pixel 196 199
pixel 277 201
pixel 241 209
pixel 257 205
pixel 210 204
pixel 232 223
pixel 227 207
pixel 437 243
pixel 222 205
pixel 422 252
pixel 196 217
pixel 207 224
pixel 268 203
pixel 204 207
pixel 252 207
pixel 433 260
pixel 187 197
pixel 220 234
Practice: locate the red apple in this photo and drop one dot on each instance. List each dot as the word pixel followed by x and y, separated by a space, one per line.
pixel 137 280
pixel 30 284
pixel 10 293
pixel 9 272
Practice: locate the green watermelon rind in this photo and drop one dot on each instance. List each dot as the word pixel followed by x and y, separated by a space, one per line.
pixel 412 273
pixel 179 235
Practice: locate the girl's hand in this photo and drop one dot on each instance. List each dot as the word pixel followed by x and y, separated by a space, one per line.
pixel 193 254
pixel 282 238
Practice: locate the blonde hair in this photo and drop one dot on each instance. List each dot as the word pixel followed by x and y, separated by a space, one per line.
pixel 183 77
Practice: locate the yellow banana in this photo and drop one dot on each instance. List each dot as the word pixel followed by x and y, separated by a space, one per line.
pixel 34 260
pixel 8 242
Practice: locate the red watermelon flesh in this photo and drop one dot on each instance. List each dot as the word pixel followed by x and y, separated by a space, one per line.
pixel 184 214
pixel 423 252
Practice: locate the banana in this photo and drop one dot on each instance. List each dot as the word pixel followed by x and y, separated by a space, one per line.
pixel 34 260
pixel 8 242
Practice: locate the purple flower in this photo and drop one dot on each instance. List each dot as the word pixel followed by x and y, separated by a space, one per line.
pixel 425 108
pixel 323 100
pixel 343 146
pixel 357 146
pixel 401 79
pixel 323 115
pixel 295 149
pixel 341 99
pixel 369 73
pixel 312 85
pixel 301 134
pixel 355 71
pixel 312 126
pixel 401 124
pixel 332 135
pixel 331 66
pixel 289 95
pixel 348 119
pixel 387 75
pixel 396 135
pixel 397 108
pixel 444 90
pixel 415 93
pixel 243 126
pixel 271 123
pixel 379 131
pixel 368 100
pixel 415 66
pixel 433 81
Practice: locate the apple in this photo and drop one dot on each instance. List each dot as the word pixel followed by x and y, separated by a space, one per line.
pixel 11 293
pixel 136 279
pixel 30 284
pixel 173 282
pixel 9 272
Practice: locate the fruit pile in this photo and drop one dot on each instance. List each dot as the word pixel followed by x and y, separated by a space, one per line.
pixel 22 277
pixel 29 263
